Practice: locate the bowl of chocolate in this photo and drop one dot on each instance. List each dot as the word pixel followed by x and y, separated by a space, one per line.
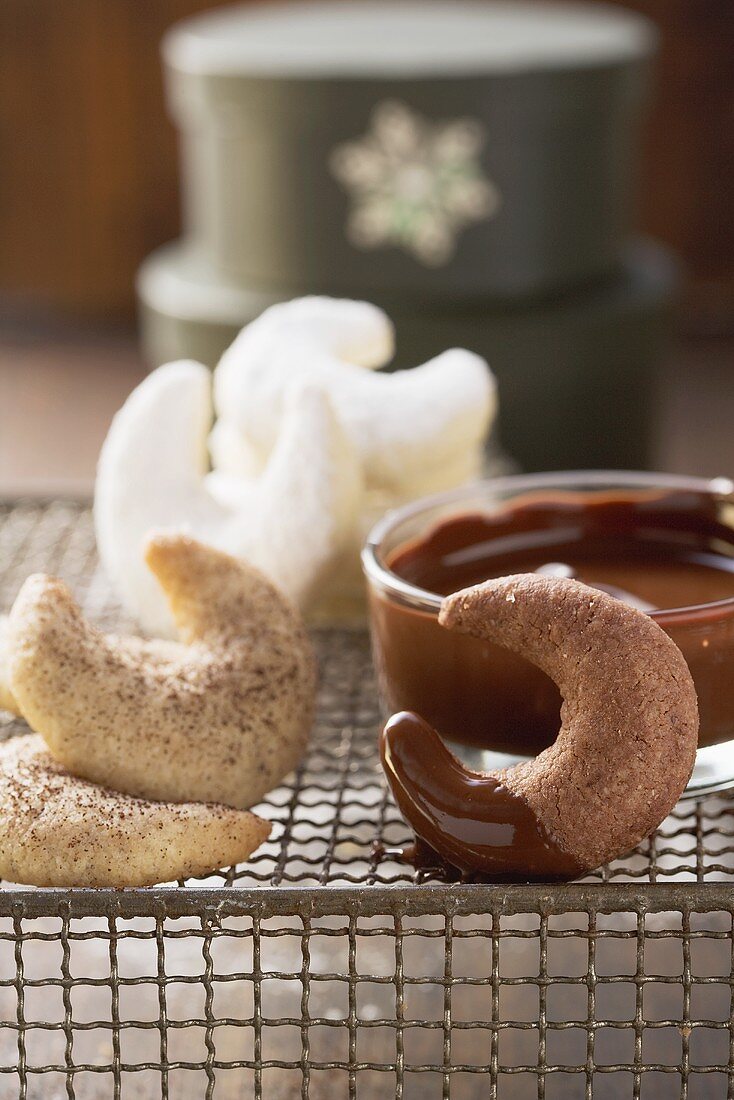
pixel 661 543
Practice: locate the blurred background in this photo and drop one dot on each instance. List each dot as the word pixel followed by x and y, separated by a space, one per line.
pixel 90 186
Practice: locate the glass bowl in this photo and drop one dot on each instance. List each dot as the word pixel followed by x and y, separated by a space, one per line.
pixel 495 708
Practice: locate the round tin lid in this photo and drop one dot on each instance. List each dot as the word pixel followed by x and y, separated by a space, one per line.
pixel 174 282
pixel 405 38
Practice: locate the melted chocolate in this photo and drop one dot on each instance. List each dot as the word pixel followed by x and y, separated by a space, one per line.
pixel 669 552
pixel 472 820
pixel 661 549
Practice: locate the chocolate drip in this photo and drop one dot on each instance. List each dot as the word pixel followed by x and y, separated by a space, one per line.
pixel 471 819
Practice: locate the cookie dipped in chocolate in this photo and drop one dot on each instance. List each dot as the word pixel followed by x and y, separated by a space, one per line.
pixel 622 758
pixel 471 819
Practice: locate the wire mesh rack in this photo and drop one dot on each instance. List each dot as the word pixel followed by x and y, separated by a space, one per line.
pixel 328 967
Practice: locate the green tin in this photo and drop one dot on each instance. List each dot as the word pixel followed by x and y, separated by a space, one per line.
pixel 576 372
pixel 431 151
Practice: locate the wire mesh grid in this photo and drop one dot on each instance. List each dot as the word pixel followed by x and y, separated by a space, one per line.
pixel 326 966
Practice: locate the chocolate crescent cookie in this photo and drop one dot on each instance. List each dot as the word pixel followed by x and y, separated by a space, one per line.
pixel 622 758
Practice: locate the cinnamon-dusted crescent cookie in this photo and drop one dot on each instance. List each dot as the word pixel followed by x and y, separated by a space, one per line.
pixel 221 716
pixel 7 702
pixel 622 758
pixel 56 830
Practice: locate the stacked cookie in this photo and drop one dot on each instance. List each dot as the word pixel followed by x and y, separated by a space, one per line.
pixel 147 753
pixel 312 442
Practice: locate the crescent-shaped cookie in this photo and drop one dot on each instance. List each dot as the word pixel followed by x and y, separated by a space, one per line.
pixel 56 830
pixel 622 758
pixel 401 424
pixel 292 517
pixel 7 701
pixel 220 717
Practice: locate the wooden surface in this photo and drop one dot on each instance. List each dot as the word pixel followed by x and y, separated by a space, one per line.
pixel 92 183
pixel 687 171
pixel 89 167
pixel 58 395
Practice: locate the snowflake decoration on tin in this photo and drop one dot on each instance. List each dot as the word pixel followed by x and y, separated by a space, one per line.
pixel 413 183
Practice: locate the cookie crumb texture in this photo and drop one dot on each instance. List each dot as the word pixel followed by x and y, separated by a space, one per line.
pixel 629 720
pixel 56 830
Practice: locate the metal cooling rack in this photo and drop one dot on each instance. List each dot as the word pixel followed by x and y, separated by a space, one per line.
pixel 325 966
